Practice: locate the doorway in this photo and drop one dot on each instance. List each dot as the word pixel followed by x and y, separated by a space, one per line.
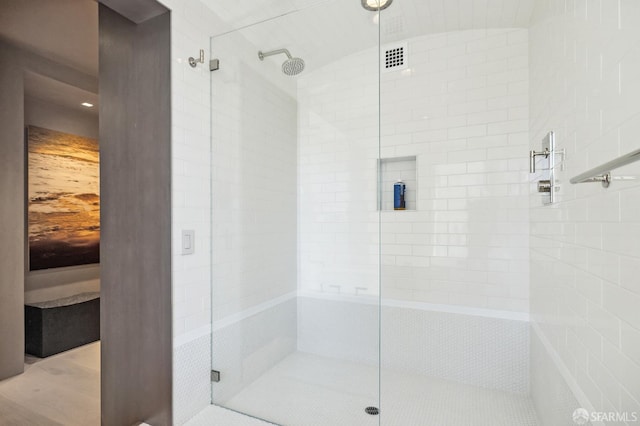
pixel 52 48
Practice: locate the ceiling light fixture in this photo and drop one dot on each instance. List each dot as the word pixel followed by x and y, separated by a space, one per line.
pixel 376 5
pixel 87 104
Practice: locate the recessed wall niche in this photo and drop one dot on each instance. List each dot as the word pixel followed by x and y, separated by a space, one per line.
pixel 392 170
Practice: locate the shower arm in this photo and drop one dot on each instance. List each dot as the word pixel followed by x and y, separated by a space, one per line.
pixel 263 55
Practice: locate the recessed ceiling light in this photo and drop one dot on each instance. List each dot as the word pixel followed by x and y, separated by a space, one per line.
pixel 87 104
pixel 376 5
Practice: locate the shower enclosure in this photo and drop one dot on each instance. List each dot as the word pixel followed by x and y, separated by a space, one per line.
pixel 329 306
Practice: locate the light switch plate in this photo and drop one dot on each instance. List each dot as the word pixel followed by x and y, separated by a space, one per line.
pixel 188 241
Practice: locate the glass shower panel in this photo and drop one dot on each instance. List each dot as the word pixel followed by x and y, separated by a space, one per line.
pixel 454 264
pixel 295 308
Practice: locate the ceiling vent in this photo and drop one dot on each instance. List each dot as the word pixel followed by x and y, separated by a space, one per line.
pixel 394 57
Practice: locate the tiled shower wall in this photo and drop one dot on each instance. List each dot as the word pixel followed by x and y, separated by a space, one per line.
pixel 585 257
pixel 337 157
pixel 585 249
pixel 254 178
pixel 457 121
pixel 461 108
pixel 191 25
pixel 254 214
pixel 264 161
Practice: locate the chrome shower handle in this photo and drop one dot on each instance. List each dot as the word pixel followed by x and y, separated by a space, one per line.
pixel 532 158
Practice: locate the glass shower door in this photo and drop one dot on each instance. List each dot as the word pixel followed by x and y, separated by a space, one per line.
pixel 454 265
pixel 295 310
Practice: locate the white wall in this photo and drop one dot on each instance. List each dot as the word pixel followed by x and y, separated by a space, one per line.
pixel 462 110
pixel 253 213
pixel 191 110
pixel 249 270
pixel 585 292
pixel 254 178
pixel 472 251
pixel 337 157
pixel 191 24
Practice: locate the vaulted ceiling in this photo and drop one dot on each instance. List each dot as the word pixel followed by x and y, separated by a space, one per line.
pixel 424 16
pixel 322 31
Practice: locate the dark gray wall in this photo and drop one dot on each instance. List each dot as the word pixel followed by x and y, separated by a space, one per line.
pixel 135 141
pixel 137 11
pixel 11 214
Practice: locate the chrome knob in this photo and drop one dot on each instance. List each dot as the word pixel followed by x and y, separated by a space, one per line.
pixel 544 186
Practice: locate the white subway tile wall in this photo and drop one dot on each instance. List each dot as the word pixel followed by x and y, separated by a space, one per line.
pixel 191 24
pixel 191 167
pixel 337 176
pixel 254 178
pixel 461 109
pixel 585 250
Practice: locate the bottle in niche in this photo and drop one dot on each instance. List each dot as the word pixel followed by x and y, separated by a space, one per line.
pixel 399 190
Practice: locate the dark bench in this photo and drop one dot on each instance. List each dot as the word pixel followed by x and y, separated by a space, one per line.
pixel 56 326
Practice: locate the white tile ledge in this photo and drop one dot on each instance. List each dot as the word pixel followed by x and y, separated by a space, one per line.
pixel 394 303
pixel 580 396
pixel 365 300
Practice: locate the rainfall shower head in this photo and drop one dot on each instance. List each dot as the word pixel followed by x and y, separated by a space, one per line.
pixel 291 66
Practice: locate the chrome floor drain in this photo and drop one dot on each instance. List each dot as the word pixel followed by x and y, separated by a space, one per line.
pixel 372 410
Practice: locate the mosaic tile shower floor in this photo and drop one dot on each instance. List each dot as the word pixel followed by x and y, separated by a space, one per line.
pixel 309 390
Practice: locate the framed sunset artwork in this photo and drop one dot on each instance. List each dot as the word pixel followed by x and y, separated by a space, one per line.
pixel 63 199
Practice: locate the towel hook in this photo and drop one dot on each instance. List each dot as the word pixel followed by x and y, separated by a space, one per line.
pixel 194 62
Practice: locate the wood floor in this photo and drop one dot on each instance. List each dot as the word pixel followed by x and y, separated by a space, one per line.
pixel 63 389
